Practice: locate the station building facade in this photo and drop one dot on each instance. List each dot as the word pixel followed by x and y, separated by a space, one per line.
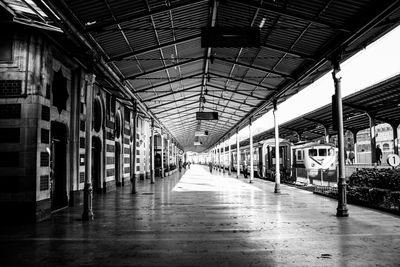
pixel 43 129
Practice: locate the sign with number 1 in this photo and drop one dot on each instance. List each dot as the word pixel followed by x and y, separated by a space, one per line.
pixel 393 160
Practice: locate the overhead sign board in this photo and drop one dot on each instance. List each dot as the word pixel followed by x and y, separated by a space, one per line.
pixel 198 143
pixel 230 37
pixel 206 115
pixel 201 133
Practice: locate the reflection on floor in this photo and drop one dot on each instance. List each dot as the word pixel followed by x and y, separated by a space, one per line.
pixel 193 180
pixel 207 220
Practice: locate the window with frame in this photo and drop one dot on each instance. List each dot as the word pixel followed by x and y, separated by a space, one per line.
pixel 299 155
pixel 322 152
pixel 312 152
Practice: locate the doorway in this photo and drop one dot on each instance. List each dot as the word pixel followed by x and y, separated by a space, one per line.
pixel 96 164
pixel 117 164
pixel 58 166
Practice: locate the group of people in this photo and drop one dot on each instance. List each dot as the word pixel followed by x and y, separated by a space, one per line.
pixel 245 168
pixel 184 165
pixel 351 156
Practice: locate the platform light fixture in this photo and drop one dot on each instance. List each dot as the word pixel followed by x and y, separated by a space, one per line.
pixel 262 23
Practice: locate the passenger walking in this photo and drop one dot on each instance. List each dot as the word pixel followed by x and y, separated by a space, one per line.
pixel 180 165
pixel 378 154
pixel 210 165
pixel 245 169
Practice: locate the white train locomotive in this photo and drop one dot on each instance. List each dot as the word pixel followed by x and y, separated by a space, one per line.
pixel 297 161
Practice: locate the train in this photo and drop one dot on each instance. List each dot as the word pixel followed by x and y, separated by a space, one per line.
pixel 298 162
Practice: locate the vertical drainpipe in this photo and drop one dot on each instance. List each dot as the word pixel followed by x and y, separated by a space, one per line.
pixel 277 163
pixel 341 210
pixel 237 154
pixel 152 174
pixel 251 151
pixel 87 214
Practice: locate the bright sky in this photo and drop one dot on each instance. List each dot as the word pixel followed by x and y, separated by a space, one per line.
pixel 376 63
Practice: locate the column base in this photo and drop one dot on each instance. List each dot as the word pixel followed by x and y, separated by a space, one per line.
pixel 87 217
pixel 133 185
pixel 342 211
pixel 277 189
pixel 87 214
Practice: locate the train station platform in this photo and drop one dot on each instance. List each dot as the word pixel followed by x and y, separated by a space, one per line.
pixel 200 219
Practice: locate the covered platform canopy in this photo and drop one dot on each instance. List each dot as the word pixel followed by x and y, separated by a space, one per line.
pixel 380 101
pixel 153 53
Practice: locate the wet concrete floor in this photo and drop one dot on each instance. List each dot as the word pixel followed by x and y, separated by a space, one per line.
pixel 200 219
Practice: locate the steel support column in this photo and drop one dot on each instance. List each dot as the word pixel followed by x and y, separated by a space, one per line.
pixel 229 157
pixel 326 130
pixel 237 154
pixel 251 151
pixel 168 158
pixel 355 146
pixel 87 214
pixel 162 155
pixel 277 157
pixel 219 157
pixel 152 150
pixel 223 156
pixel 133 149
pixel 373 138
pixel 395 136
pixel 341 210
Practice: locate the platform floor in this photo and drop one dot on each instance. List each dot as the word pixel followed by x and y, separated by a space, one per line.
pixel 207 220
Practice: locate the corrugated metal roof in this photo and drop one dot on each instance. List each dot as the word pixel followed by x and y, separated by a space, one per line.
pixel 144 38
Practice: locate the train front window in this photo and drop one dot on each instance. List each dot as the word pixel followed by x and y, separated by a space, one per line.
pixel 322 152
pixel 299 155
pixel 312 152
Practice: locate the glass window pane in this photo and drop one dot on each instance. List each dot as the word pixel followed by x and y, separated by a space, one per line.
pixel 322 152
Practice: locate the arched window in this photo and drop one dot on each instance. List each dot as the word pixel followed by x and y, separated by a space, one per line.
pixel 386 147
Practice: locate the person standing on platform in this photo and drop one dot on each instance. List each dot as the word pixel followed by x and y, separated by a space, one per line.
pixel 378 153
pixel 210 165
pixel 180 165
pixel 351 157
pixel 245 169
